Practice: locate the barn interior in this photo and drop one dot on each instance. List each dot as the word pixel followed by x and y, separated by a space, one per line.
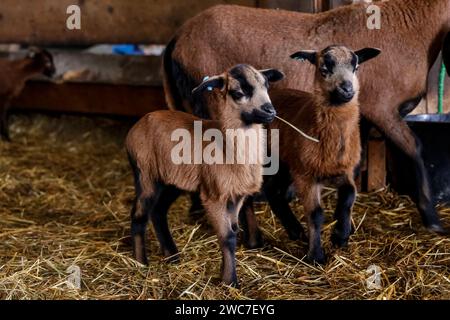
pixel 66 187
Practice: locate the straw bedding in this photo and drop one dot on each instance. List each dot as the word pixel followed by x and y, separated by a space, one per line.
pixel 65 195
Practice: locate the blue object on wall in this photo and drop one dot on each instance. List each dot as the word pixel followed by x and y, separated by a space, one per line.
pixel 127 49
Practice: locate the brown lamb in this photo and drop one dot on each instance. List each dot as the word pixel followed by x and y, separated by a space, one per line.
pixel 14 75
pixel 245 105
pixel 331 115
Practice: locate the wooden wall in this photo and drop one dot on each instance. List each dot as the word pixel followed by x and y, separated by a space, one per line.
pixel 116 21
pixel 43 22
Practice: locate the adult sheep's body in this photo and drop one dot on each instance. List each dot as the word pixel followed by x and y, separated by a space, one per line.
pixel 412 34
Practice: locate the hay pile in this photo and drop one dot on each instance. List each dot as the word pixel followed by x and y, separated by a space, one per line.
pixel 65 193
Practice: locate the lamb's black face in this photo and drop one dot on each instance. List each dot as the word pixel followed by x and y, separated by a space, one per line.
pixel 43 60
pixel 245 89
pixel 337 66
pixel 248 91
pixel 49 69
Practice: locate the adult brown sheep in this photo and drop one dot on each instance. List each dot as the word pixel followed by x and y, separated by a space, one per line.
pixel 411 37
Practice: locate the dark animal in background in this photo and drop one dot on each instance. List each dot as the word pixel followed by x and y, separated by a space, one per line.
pixel 446 52
pixel 411 36
pixel 245 105
pixel 13 76
pixel 331 115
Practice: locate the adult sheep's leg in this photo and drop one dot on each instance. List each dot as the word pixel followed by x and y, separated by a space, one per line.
pixel 346 198
pixel 402 136
pixel 224 218
pixel 158 216
pixel 251 234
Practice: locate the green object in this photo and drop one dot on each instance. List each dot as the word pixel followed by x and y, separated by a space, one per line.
pixel 441 89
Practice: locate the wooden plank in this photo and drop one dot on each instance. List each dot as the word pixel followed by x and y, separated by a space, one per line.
pixel 376 162
pixel 102 21
pixel 321 5
pixel 90 98
pixel 81 67
pixel 293 5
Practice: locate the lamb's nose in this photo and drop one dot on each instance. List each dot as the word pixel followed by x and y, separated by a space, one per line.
pixel 347 87
pixel 268 107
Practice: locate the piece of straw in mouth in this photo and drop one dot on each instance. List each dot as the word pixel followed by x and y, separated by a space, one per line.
pixel 298 130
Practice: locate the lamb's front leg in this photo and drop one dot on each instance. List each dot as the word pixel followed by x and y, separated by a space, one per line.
pixel 224 218
pixel 309 193
pixel 343 228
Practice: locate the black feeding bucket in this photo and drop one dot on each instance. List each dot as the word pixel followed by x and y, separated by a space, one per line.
pixel 433 130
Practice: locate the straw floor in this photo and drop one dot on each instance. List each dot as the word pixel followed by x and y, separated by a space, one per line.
pixel 65 195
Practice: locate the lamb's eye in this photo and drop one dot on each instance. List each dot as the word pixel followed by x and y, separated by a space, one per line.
pixel 236 95
pixel 324 70
pixel 356 68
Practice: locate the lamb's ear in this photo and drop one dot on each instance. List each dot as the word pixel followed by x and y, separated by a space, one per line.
pixel 210 83
pixel 366 54
pixel 273 75
pixel 309 55
pixel 446 53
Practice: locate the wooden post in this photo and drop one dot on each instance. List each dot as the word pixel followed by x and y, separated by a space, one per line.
pixel 321 5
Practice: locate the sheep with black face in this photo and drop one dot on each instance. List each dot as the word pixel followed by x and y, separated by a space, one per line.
pixel 245 105
pixel 331 115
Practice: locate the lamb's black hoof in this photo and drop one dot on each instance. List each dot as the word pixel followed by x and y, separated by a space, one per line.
pixel 173 257
pixel 234 282
pixel 298 235
pixel 255 242
pixel 6 138
pixel 338 240
pixel 439 229
pixel 317 257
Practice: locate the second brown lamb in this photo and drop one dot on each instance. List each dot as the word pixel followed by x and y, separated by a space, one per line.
pixel 331 115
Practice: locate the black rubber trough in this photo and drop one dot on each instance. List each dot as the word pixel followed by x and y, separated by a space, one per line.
pixel 433 130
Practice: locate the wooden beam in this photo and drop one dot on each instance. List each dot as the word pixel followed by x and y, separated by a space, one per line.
pixel 90 98
pixel 102 21
pixel 321 5
pixel 81 67
pixel 293 5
